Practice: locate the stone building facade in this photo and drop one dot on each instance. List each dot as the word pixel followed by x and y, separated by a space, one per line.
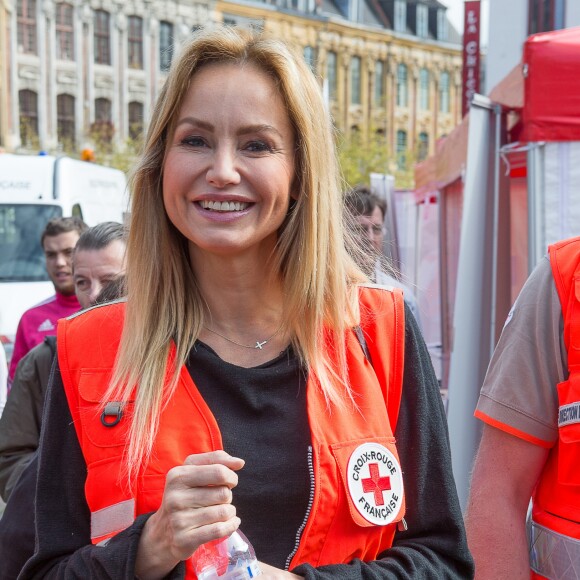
pixel 78 68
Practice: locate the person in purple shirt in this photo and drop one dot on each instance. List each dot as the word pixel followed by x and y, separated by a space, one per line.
pixel 58 241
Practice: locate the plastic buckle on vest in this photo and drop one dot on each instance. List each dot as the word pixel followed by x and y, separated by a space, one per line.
pixel 112 414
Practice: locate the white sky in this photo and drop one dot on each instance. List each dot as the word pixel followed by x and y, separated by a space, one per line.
pixel 455 14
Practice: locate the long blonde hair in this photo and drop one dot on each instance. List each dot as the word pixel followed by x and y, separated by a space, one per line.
pixel 317 274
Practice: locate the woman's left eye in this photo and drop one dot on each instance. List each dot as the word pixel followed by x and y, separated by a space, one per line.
pixel 258 147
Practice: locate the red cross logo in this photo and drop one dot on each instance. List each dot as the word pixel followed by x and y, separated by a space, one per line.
pixel 376 484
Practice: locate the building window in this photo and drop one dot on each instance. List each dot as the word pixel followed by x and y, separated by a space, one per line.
pixel 135 39
pixel 103 110
pixel 102 128
pixel 26 20
pixel 545 15
pixel 441 25
pixel 424 89
pixel 102 37
pixel 65 107
pixel 135 120
pixel 165 45
pixel 402 95
pixel 310 57
pixel 64 32
pixel 422 21
pixel 331 74
pixel 28 103
pixel 400 15
pixel 380 83
pixel 423 148
pixel 401 149
pixel 444 100
pixel 355 96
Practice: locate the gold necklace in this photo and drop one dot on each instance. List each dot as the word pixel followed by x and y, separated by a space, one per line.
pixel 260 344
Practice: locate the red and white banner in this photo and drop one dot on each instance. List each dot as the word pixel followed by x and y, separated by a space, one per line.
pixel 471 75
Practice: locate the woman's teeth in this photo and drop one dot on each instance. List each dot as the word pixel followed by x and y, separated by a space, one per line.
pixel 224 205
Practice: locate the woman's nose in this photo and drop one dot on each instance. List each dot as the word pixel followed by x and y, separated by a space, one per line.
pixel 223 170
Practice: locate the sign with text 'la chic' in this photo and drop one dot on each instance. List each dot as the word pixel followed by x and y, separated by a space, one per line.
pixel 471 28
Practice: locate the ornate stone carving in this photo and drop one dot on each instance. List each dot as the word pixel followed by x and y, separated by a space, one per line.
pixel 104 82
pixel 30 73
pixel 66 78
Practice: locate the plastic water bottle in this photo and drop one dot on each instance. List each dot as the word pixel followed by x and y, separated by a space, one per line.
pixel 230 558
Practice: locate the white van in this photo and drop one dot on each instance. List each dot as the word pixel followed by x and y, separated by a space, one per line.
pixel 34 189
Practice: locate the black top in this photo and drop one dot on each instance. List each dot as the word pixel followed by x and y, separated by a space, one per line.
pixel 261 413
pixel 434 546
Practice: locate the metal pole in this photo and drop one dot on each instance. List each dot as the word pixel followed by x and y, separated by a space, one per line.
pixel 536 225
pixel 472 329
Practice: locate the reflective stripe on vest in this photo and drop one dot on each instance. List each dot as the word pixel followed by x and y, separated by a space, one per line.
pixel 552 555
pixel 112 519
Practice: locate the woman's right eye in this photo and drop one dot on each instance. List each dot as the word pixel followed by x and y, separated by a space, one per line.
pixel 194 141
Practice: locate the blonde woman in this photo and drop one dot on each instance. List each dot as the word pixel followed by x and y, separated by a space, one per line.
pixel 250 377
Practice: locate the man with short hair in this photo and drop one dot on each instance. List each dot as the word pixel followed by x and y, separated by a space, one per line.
pixel 58 241
pixel 368 211
pixel 98 258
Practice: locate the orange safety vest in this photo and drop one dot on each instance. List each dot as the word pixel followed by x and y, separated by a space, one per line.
pixel 556 499
pixel 358 490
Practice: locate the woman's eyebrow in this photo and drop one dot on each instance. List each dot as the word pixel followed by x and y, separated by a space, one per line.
pixel 256 128
pixel 197 122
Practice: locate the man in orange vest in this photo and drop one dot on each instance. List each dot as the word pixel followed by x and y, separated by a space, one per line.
pixel 530 404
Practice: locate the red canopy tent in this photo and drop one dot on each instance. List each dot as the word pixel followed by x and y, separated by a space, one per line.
pixel 551 70
pixel 540 99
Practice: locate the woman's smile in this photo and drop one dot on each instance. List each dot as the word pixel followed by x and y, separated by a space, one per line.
pixel 223 210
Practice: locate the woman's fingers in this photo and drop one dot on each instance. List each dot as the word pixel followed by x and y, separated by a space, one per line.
pixel 191 476
pixel 213 457
pixel 196 506
pixel 191 519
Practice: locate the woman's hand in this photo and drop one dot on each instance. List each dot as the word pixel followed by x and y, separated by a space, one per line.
pixel 271 573
pixel 196 508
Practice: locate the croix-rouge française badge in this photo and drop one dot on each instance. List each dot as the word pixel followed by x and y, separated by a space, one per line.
pixel 375 483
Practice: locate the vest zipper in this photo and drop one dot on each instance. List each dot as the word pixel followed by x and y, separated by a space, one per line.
pixel 308 509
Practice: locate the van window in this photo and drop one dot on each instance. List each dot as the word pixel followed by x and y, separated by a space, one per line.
pixel 21 256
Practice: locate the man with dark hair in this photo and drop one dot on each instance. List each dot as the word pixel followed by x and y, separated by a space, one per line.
pixel 368 211
pixel 98 259
pixel 58 241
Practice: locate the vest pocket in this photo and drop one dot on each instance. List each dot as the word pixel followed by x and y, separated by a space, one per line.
pixel 569 430
pixel 373 481
pixel 104 425
pixel 360 497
